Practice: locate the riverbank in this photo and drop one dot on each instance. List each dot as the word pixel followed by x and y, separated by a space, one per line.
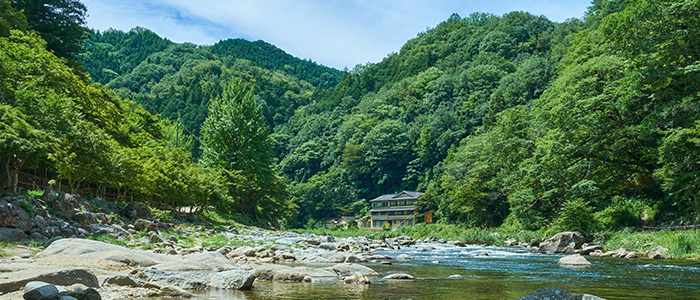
pixel 680 244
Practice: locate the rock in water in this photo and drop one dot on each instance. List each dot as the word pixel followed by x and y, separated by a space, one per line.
pixel 575 260
pixel 399 276
pixel 358 278
pixel 657 252
pixel 548 294
pixel 38 290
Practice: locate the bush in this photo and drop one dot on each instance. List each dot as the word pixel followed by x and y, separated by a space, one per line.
pixel 576 215
pixel 623 212
pixel 28 207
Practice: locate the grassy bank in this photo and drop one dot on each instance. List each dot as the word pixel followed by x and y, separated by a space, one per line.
pixel 680 244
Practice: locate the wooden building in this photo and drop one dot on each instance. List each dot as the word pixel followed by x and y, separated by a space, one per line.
pixel 394 209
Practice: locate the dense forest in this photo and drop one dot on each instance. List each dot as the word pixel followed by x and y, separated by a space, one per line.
pixel 510 120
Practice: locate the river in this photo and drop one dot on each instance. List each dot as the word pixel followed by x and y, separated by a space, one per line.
pixel 505 273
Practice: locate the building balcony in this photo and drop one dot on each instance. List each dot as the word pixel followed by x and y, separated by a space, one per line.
pixel 388 218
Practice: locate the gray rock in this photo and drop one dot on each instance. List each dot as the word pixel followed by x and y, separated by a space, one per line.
pixel 354 259
pixel 586 297
pixel 40 222
pixel 120 231
pixel 226 280
pixel 401 276
pixel 404 257
pixel 327 246
pixel 588 249
pixel 356 278
pixel 124 280
pixel 204 261
pixel 63 277
pixel 548 294
pixel 11 234
pixel 563 242
pixel 85 218
pixel 575 260
pixel 91 253
pixel 617 253
pixel 156 238
pixel 173 291
pixel 288 256
pixel 7 213
pixel 38 290
pixel 270 272
pixel 21 220
pixel 336 258
pixel 101 229
pixel 38 237
pixel 88 294
pixel 147 225
pixel 347 269
pixel 657 252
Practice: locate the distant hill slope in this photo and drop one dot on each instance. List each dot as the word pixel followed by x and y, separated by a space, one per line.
pixel 178 80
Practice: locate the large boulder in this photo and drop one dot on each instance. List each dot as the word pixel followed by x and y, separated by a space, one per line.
pixel 225 280
pixel 89 253
pixel 142 224
pixel 11 234
pixel 269 272
pixel 205 261
pixel 7 213
pixel 58 277
pixel 575 260
pixel 38 290
pixel 85 218
pixel 347 269
pixel 357 278
pixel 136 211
pixel 563 242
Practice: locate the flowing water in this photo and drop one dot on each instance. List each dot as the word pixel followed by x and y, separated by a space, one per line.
pixel 504 274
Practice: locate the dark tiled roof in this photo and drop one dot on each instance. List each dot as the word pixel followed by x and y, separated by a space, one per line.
pixel 399 196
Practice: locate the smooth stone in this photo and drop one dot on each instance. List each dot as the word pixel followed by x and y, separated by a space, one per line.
pixel 575 260
pixel 39 290
pixel 401 276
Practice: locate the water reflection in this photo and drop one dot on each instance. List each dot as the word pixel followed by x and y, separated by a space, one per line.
pixel 502 274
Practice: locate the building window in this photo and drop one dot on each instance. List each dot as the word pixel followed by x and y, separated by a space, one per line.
pixel 374 224
pixel 410 223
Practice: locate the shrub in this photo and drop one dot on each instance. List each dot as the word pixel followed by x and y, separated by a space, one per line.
pixel 622 212
pixel 28 207
pixel 576 215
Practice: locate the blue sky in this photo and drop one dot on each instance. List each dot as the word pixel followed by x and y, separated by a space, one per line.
pixel 336 33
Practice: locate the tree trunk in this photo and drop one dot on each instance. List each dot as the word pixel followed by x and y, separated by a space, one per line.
pixel 15 172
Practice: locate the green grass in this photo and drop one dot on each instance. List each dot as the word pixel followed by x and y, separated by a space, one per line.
pixel 681 244
pixel 109 240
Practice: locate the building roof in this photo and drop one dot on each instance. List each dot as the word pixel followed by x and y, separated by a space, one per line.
pixel 346 219
pixel 405 195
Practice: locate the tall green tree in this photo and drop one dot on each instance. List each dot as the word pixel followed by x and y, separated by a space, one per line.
pixel 61 24
pixel 236 138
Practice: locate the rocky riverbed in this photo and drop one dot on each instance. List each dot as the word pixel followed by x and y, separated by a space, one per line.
pixel 165 259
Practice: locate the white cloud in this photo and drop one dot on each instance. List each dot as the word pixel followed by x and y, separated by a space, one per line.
pixel 336 33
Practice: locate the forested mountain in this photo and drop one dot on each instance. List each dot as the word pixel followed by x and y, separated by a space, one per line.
pixel 178 80
pixel 581 125
pixel 86 139
pixel 509 120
